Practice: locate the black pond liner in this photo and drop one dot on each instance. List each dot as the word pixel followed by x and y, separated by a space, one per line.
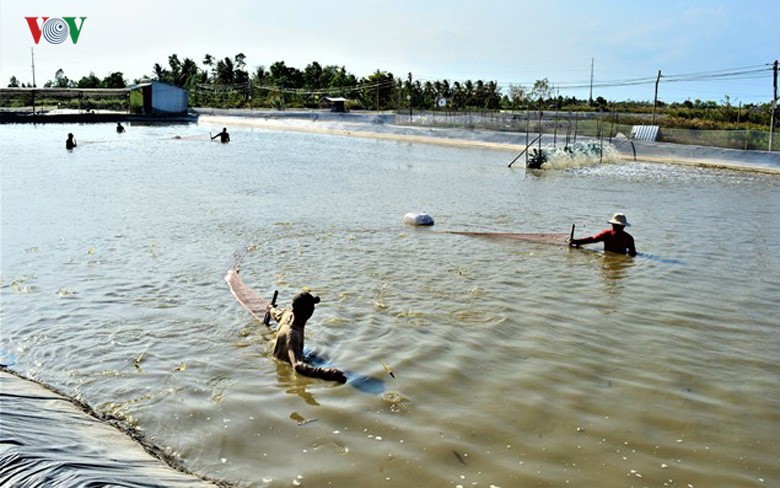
pixel 50 440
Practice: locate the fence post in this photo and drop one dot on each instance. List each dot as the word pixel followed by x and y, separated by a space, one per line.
pixel 774 109
pixel 576 116
pixel 540 130
pixel 601 140
pixel 611 123
pixel 527 128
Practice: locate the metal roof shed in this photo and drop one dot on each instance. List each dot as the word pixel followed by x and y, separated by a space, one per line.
pixel 337 104
pixel 160 98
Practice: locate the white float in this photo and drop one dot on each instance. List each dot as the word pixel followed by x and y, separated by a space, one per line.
pixel 412 218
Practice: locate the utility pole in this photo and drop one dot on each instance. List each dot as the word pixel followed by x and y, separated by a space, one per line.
pixel 739 112
pixel 32 58
pixel 590 97
pixel 409 96
pixel 655 100
pixel 774 109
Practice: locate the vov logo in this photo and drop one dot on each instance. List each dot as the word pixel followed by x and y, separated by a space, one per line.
pixel 55 30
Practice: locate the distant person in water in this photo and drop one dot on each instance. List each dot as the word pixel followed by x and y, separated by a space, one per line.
pixel 70 143
pixel 288 345
pixel 224 137
pixel 615 239
pixel 119 128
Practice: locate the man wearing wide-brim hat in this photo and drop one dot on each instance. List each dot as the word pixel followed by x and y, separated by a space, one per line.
pixel 615 239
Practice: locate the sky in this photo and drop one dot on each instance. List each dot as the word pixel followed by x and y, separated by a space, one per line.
pixel 512 42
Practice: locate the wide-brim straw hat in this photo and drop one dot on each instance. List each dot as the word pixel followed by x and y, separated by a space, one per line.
pixel 619 219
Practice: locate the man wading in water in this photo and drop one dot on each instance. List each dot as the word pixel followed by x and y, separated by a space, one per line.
pixel 289 337
pixel 224 137
pixel 615 239
pixel 70 143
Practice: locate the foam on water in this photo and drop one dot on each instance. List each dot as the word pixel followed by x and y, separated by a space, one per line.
pixel 580 155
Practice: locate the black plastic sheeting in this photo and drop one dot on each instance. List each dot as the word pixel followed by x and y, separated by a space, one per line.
pixel 48 440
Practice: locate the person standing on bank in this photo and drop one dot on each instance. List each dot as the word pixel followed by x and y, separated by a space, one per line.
pixel 224 137
pixel 70 143
pixel 615 239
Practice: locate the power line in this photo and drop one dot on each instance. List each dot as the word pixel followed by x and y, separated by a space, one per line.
pixel 739 73
pixel 743 73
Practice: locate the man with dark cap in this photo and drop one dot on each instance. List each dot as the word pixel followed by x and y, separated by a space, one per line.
pixel 615 239
pixel 289 337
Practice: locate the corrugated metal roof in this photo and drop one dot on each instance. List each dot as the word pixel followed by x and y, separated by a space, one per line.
pixel 644 133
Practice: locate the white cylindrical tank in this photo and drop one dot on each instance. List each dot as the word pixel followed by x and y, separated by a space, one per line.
pixel 412 218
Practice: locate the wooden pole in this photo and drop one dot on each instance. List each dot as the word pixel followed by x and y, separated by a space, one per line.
pixel 601 140
pixel 655 99
pixel 527 128
pixel 32 58
pixel 267 316
pixel 739 112
pixel 575 128
pixel 774 109
pixel 521 153
pixel 410 97
pixel 611 123
pixel 540 131
pixel 590 96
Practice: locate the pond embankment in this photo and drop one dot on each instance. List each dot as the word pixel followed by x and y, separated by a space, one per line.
pixel 387 126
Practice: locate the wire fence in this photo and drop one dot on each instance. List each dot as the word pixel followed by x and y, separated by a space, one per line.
pixel 729 139
pixel 593 124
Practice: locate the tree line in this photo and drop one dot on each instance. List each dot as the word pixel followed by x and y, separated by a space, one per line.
pixel 228 83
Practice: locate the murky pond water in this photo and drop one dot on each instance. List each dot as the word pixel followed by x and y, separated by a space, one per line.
pixel 515 363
